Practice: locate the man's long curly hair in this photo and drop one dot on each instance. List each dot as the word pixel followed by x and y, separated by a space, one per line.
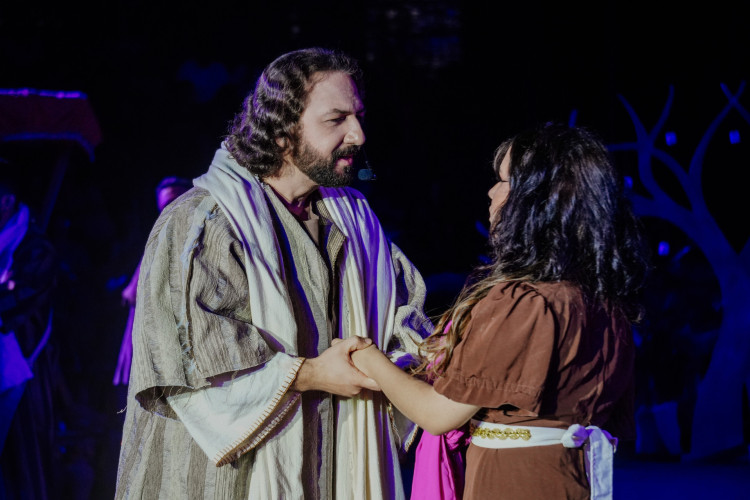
pixel 274 108
pixel 566 218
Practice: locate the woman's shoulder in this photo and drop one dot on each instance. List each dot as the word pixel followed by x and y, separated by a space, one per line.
pixel 518 312
pixel 549 290
pixel 558 295
pixel 511 298
pixel 560 292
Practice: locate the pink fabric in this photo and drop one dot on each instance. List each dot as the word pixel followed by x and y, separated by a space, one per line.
pixel 439 468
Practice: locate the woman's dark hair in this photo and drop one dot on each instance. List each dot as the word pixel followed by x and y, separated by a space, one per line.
pixel 566 218
pixel 274 108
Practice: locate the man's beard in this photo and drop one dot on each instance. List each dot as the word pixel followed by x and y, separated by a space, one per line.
pixel 322 170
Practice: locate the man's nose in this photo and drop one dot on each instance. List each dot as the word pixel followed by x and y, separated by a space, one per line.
pixel 355 135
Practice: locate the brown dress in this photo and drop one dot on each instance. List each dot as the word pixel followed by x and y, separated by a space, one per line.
pixel 537 355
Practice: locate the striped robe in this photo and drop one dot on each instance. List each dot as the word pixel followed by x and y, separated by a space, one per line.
pixel 159 458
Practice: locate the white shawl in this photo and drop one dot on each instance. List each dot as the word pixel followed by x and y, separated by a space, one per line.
pixel 366 454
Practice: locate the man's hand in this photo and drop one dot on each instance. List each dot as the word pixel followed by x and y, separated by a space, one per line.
pixel 334 372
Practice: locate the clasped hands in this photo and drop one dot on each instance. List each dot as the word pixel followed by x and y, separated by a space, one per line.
pixel 339 369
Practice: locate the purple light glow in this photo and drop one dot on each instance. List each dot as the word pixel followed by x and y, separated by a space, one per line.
pixel 57 94
pixel 734 136
pixel 671 138
pixel 663 248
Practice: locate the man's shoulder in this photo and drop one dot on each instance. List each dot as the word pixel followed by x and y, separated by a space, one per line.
pixel 189 200
pixel 185 205
pixel 180 215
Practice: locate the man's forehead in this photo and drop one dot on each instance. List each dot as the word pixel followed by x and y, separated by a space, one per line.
pixel 334 92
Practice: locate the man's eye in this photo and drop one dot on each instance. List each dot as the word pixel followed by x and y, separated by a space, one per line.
pixel 340 119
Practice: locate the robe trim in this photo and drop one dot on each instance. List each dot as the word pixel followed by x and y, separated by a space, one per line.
pixel 247 441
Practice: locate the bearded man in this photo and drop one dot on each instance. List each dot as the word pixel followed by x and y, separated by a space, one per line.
pixel 255 287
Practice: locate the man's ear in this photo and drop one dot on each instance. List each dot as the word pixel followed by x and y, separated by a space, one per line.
pixel 286 148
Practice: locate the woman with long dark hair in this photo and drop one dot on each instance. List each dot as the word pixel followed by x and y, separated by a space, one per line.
pixel 536 354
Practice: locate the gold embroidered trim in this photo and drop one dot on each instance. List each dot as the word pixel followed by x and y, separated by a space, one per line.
pixel 507 433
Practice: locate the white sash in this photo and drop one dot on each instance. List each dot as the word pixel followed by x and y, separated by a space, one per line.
pixel 599 447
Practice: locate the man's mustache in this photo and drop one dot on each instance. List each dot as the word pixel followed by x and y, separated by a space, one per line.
pixel 347 151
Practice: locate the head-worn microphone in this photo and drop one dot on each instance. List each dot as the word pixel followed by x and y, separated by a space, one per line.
pixel 367 173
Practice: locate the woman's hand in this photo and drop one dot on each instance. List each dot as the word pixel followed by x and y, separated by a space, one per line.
pixel 416 399
pixel 365 359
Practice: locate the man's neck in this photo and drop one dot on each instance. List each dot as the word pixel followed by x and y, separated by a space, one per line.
pixel 293 188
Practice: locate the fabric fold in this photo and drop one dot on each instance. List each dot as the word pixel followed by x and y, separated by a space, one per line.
pixel 439 466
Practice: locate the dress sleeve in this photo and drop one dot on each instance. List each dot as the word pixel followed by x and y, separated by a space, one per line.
pixel 505 353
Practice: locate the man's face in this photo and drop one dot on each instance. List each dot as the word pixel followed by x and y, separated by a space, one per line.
pixel 331 132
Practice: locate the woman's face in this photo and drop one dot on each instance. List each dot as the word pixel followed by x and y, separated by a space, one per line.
pixel 499 192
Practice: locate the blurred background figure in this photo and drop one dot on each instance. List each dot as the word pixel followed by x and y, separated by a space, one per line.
pixel 168 189
pixel 28 367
